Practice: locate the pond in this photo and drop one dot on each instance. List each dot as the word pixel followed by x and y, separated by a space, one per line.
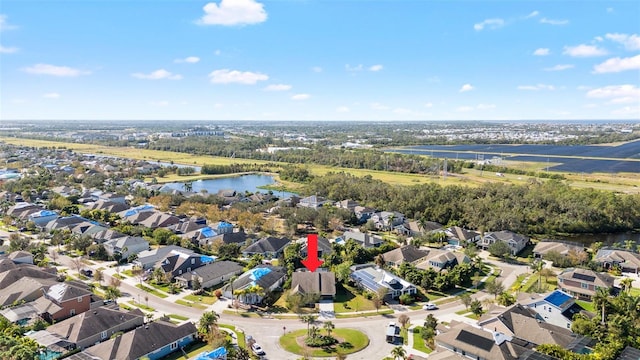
pixel 605 239
pixel 250 183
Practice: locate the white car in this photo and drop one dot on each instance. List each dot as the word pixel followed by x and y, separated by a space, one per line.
pixel 429 306
pixel 257 349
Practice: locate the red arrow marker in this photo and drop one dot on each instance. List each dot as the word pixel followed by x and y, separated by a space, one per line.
pixel 312 262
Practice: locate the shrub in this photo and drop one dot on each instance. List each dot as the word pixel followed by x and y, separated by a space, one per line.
pixel 218 293
pixel 320 341
pixel 405 299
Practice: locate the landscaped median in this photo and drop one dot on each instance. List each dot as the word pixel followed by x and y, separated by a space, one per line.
pixel 349 342
pixel 151 291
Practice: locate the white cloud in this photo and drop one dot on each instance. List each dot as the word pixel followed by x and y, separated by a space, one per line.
pixel 4 25
pixel 615 92
pixel 630 42
pixel 53 95
pixel 465 109
pixel 226 76
pixel 8 50
pixel 358 67
pixel 428 105
pixel 584 50
pixel 617 64
pixel 375 68
pixel 188 59
pixel 316 69
pixel 627 110
pixel 378 106
pixel 486 106
pixel 559 67
pixel 157 75
pixel 532 14
pixel 342 109
pixel 278 87
pixel 553 22
pixel 466 87
pixel 536 87
pixel 217 52
pixel 542 52
pixel 490 24
pixel 233 12
pixel 53 70
pixel 300 97
pixel 161 103
pixel 625 100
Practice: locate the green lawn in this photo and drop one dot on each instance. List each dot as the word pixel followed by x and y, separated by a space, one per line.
pixel 178 317
pixel 404 334
pixel 203 298
pixel 190 304
pixel 241 339
pixel 192 351
pixel 550 284
pixel 141 306
pixel 355 339
pixel 161 287
pixel 119 276
pixel 587 305
pixel 419 344
pixel 347 299
pixel 365 314
pixel 634 291
pixel 151 291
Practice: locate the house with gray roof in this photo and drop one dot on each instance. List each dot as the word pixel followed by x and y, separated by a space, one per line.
pixel 407 253
pixel 516 242
pixel 266 277
pixel 147 259
pixel 371 278
pixel 154 341
pixel 363 239
pixel 67 222
pixel 322 283
pixel 95 326
pixel 176 263
pixel 627 261
pixel 313 202
pixel 108 205
pixel 126 246
pixel 439 259
pixel 270 247
pixel 583 283
pixel 211 274
pixel 543 248
pixel 459 236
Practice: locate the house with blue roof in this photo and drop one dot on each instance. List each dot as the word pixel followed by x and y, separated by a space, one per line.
pixel 42 217
pixel 251 287
pixel 557 308
pixel 202 236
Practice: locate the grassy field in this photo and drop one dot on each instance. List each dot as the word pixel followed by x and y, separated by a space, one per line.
pixel 356 340
pixel 206 299
pixel 548 284
pixel 587 305
pixel 151 291
pixel 419 344
pixel 347 299
pixel 242 342
pixel 141 306
pixel 622 182
pixel 190 304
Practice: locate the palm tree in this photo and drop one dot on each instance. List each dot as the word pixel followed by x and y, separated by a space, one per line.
pixel 328 327
pixel 379 261
pixel 601 300
pixel 208 321
pixel 112 293
pixel 537 266
pixel 309 319
pixel 626 283
pixel 399 352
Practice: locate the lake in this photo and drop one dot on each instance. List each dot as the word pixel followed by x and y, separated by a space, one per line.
pixel 605 239
pixel 243 183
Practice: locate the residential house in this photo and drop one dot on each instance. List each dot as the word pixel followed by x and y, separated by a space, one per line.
pixel 21 257
pixel 95 326
pixel 629 353
pixel 270 247
pixel 152 341
pixel 557 308
pixel 22 210
pixel 250 287
pixel 523 323
pixel 387 220
pixel 126 215
pixel 363 213
pixel 176 263
pixel 159 219
pixel 543 248
pixel 23 282
pixel 609 258
pixel 404 254
pixel 106 235
pixel 322 283
pixel 515 241
pixel 313 202
pixel 439 259
pixel 583 283
pixel 222 227
pixel 188 225
pixel 347 205
pixel 87 228
pixel 147 259
pixel 63 300
pixel 112 197
pixel 371 278
pixel 236 237
pixel 67 222
pixel 324 247
pixel 211 274
pixel 460 237
pixel 42 217
pixel 126 246
pixel 363 239
pixel 107 205
pixel 417 228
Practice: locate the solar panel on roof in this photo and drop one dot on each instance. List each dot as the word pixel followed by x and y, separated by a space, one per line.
pixel 475 340
pixel 585 277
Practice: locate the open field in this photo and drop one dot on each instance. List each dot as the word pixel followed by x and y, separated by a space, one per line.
pixel 619 182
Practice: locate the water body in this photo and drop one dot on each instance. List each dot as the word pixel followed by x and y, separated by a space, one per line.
pixel 605 239
pixel 243 183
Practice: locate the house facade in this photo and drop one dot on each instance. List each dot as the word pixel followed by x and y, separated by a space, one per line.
pixel 583 283
pixel 371 278
pixel 516 242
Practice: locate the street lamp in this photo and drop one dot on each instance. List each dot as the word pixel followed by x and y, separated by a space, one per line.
pixel 284 330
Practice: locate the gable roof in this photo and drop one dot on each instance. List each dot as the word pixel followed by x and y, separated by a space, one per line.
pixel 90 323
pixel 267 244
pixel 213 270
pixel 626 259
pixel 62 292
pixel 263 275
pixel 471 340
pixel 321 282
pixel 142 341
pixel 544 247
pixel 363 239
pixel 598 279
pixel 232 237
pixel 406 253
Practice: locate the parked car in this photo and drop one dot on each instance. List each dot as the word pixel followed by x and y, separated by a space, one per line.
pixel 429 306
pixel 257 349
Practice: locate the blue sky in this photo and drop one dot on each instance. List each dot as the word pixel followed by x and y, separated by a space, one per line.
pixel 320 60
